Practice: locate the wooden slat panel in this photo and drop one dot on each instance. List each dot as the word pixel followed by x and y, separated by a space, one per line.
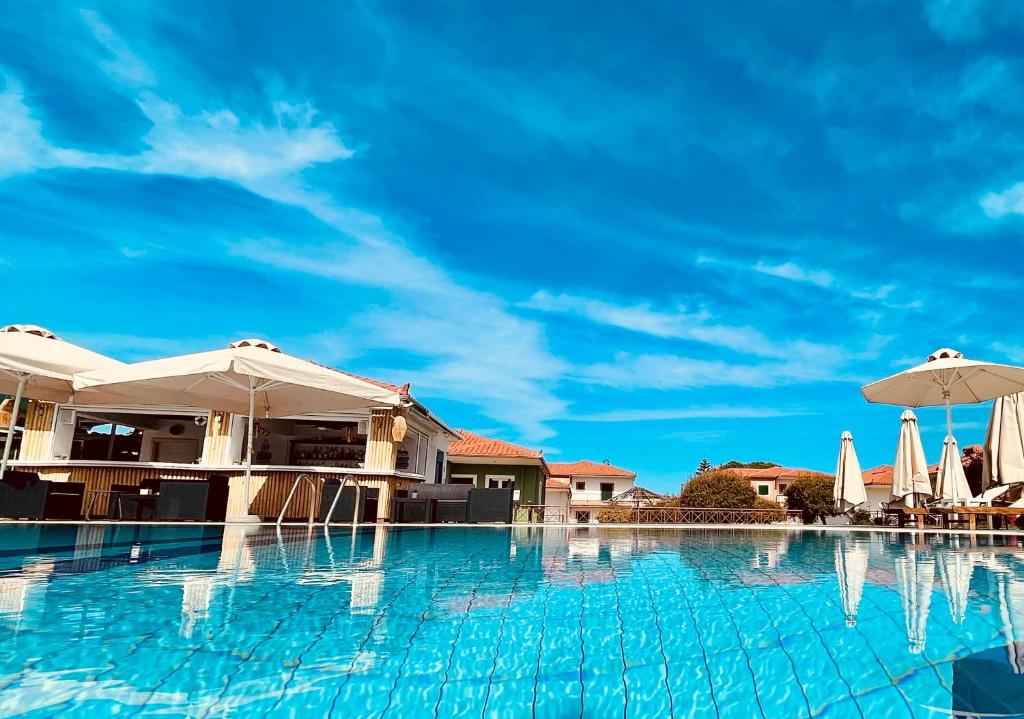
pixel 381 450
pixel 35 441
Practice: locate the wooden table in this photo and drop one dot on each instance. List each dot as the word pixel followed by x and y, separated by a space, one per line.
pixel 973 513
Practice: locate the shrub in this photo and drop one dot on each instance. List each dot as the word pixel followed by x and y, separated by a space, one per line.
pixel 861 518
pixel 812 495
pixel 615 516
pixel 773 511
pixel 718 489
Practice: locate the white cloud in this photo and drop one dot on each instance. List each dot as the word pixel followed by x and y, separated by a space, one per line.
pixel 796 273
pixel 1008 202
pixel 1015 353
pixel 660 415
pixel 677 324
pixel 123 65
pixel 673 372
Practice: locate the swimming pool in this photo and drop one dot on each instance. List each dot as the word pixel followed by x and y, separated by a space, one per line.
pixel 545 622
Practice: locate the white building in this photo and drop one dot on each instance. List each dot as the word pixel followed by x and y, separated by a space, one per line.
pixel 591 485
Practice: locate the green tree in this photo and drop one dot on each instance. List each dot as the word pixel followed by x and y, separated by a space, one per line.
pixel 734 464
pixel 812 495
pixel 718 489
pixel 703 468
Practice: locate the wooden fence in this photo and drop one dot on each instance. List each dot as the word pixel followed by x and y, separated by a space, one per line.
pixel 665 515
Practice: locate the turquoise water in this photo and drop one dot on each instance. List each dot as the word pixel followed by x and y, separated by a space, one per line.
pixel 482 622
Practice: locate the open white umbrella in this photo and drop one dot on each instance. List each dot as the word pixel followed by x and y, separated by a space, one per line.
pixel 947 378
pixel 915 576
pixel 851 571
pixel 910 480
pixel 955 570
pixel 36 364
pixel 848 490
pixel 247 377
pixel 1003 452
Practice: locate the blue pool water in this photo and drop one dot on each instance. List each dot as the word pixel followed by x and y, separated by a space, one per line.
pixel 483 622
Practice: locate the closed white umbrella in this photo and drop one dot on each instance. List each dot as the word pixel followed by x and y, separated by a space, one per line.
pixel 915 577
pixel 910 480
pixel 955 570
pixel 946 378
pixel 247 377
pixel 851 571
pixel 36 364
pixel 1003 452
pixel 848 490
pixel 951 482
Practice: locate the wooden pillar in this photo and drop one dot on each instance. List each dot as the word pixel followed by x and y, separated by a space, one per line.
pixel 38 434
pixel 384 500
pixel 218 437
pixel 381 449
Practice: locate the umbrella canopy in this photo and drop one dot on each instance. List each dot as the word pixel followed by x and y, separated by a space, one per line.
pixel 247 377
pixel 955 570
pixel 947 375
pixel 951 483
pixel 36 364
pixel 947 378
pixel 910 469
pixel 1003 453
pixel 848 491
pixel 915 576
pixel 851 571
pixel 222 379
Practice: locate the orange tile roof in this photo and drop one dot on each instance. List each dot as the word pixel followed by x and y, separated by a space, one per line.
pixel 878 476
pixel 475 445
pixel 775 473
pixel 586 467
pixel 557 484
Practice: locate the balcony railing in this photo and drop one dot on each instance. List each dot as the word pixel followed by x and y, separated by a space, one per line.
pixel 538 514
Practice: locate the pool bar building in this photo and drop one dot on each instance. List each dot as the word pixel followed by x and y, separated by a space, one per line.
pixel 96 445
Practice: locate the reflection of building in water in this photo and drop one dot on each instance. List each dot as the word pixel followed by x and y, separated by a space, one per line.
pixel 18 593
pixel 767 553
pixel 196 596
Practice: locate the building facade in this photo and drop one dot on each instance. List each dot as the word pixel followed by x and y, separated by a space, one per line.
pixel 771 483
pixel 485 462
pixel 592 485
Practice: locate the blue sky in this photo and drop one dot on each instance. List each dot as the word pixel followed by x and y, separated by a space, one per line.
pixel 648 235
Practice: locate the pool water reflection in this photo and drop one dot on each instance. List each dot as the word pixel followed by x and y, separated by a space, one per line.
pixel 548 622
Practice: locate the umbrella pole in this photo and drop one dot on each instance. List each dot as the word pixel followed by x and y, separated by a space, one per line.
pixel 249 443
pixel 949 432
pixel 14 419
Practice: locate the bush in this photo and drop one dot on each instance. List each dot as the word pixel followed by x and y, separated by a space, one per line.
pixel 773 511
pixel 615 516
pixel 812 495
pixel 722 490
pixel 861 518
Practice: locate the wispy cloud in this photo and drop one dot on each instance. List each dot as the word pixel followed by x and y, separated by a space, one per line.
pixel 1010 201
pixel 1015 353
pixel 677 324
pixel 123 65
pixel 796 273
pixel 710 412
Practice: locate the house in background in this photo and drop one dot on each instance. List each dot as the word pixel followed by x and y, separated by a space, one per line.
pixel 557 501
pixel 591 485
pixel 771 483
pixel 877 487
pixel 485 462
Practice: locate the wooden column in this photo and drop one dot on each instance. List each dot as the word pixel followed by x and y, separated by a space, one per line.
pixel 218 437
pixel 38 434
pixel 381 449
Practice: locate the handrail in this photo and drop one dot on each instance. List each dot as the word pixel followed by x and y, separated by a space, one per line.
pixel 355 512
pixel 291 493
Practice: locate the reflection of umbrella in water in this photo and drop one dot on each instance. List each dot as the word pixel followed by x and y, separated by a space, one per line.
pixel 955 570
pixel 851 570
pixel 914 578
pixel 1010 594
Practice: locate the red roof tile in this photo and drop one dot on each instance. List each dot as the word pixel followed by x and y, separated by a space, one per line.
pixel 878 476
pixel 475 445
pixel 775 473
pixel 557 484
pixel 586 467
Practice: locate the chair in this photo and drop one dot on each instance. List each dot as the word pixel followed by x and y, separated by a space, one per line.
pixel 447 502
pixel 490 505
pixel 64 500
pixel 409 510
pixel 132 505
pixel 22 495
pixel 368 498
pixel 185 500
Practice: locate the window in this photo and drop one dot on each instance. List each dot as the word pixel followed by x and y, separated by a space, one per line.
pixel 116 435
pixel 499 481
pixel 307 443
pixel 581 486
pixel 763 489
pixel 607 491
pixel 783 488
pixel 412 453
pixel 463 479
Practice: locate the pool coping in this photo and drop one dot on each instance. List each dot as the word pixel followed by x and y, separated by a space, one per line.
pixel 535 525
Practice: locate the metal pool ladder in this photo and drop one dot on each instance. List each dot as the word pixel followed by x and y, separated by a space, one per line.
pixel 347 479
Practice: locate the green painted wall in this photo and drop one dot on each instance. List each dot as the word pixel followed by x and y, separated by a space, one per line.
pixel 529 480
